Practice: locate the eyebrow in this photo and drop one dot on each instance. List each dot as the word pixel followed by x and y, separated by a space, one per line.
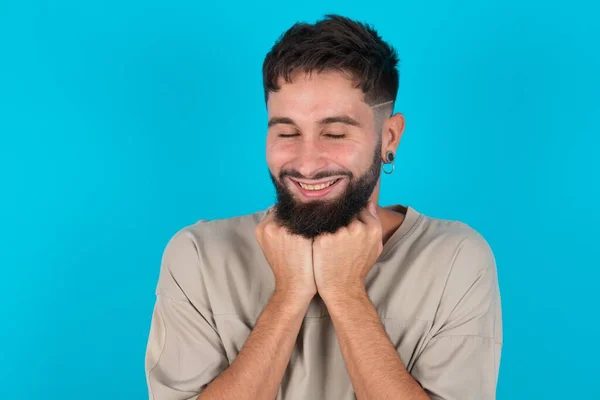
pixel 340 119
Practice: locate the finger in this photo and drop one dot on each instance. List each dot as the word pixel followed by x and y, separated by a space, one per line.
pixel 267 218
pixel 269 215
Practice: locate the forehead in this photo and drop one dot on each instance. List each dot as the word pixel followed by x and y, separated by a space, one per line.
pixel 316 95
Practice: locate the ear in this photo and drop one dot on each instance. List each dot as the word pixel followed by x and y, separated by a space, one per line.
pixel 391 133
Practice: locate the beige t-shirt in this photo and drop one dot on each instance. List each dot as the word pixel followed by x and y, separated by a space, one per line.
pixel 434 287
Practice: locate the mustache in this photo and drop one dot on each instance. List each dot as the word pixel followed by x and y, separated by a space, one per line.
pixel 292 173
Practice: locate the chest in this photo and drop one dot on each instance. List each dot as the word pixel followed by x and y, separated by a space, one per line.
pixel 316 369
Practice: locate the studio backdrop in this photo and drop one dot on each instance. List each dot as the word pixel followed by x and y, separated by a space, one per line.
pixel 121 122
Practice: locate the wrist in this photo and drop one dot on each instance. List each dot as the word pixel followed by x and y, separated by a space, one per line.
pixel 291 301
pixel 344 298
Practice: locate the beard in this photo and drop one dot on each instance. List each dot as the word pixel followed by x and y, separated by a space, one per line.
pixel 316 217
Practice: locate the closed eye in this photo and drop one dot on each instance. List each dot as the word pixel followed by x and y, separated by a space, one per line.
pixel 333 136
pixel 288 135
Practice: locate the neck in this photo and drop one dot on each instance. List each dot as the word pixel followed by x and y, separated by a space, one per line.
pixel 390 221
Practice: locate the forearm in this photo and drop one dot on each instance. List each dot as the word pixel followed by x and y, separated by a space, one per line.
pixel 257 371
pixel 374 366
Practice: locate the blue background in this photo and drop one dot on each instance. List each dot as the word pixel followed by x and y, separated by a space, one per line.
pixel 122 122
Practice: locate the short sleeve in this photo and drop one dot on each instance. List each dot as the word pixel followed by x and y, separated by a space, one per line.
pixel 461 359
pixel 184 351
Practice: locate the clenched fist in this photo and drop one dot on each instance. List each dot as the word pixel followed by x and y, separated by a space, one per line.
pixel 290 258
pixel 343 259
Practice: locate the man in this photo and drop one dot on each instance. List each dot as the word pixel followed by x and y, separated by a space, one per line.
pixel 327 295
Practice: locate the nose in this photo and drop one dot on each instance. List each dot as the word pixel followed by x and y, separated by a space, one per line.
pixel 310 159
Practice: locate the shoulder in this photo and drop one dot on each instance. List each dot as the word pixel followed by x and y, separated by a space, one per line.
pixel 196 251
pixel 213 234
pixel 469 274
pixel 453 255
pixel 460 240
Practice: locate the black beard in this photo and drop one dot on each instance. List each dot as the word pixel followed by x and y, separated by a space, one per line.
pixel 317 217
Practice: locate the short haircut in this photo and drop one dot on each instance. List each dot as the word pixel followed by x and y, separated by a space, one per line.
pixel 335 43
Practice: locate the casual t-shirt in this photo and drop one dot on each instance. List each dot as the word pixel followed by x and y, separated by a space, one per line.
pixel 434 287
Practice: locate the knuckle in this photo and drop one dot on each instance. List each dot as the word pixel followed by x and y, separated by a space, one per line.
pixel 354 229
pixel 374 229
pixel 270 229
pixel 325 240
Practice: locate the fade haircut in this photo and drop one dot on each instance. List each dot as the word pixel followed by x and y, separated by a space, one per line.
pixel 335 43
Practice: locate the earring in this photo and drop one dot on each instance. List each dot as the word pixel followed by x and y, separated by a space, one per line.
pixel 389 159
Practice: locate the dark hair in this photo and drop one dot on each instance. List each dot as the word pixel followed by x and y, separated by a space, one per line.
pixel 335 43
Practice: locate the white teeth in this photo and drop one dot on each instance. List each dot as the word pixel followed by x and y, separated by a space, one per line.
pixel 317 187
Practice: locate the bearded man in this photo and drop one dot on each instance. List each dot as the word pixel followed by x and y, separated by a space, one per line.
pixel 326 294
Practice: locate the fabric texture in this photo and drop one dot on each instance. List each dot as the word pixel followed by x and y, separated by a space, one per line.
pixel 434 287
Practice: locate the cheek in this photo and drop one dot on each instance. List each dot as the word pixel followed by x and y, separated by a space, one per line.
pixel 278 155
pixel 348 155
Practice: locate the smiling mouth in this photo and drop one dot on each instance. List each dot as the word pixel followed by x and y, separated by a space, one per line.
pixel 318 189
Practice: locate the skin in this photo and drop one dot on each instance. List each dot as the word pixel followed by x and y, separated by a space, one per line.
pixel 332 265
pixel 311 98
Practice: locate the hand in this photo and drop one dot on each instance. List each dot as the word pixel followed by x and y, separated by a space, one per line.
pixel 290 259
pixel 342 260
